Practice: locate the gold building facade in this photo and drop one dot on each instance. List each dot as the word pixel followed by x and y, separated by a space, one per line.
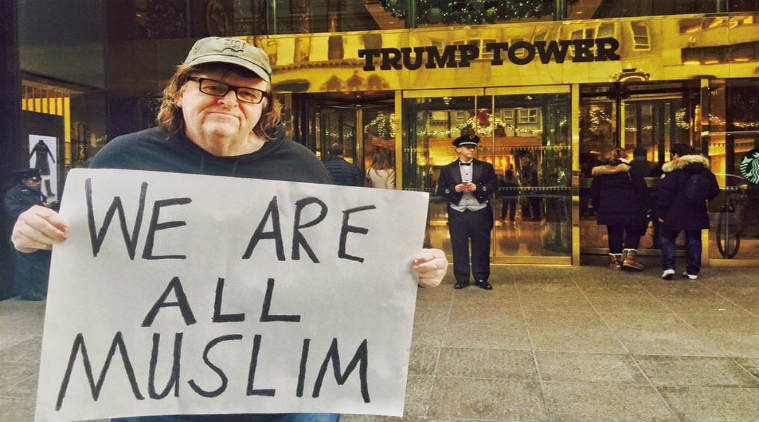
pixel 546 98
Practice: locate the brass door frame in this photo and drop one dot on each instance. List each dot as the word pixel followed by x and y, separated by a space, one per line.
pixel 574 92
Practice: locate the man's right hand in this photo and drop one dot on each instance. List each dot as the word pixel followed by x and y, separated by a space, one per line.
pixel 460 187
pixel 38 228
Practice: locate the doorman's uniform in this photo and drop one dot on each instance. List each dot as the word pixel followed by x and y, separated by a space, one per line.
pixel 31 269
pixel 469 214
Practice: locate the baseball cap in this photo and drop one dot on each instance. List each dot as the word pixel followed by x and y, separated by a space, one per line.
pixel 232 51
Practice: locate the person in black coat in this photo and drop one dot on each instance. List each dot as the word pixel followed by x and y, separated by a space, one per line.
pixel 681 199
pixel 641 167
pixel 620 202
pixel 467 184
pixel 342 172
pixel 509 194
pixel 31 269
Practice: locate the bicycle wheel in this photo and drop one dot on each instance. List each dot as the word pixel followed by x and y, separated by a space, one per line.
pixel 728 238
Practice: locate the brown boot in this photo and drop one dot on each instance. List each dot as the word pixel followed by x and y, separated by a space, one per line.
pixel 615 261
pixel 629 263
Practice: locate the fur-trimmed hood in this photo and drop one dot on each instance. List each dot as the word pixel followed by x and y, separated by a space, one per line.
pixel 610 169
pixel 685 161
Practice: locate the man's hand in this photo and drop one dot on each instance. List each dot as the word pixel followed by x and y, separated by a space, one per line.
pixel 38 228
pixel 470 187
pixel 430 266
pixel 460 187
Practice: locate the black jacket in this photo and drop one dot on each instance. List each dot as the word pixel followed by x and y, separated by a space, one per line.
pixel 20 198
pixel 344 173
pixel 672 206
pixel 642 168
pixel 483 175
pixel 152 149
pixel 618 197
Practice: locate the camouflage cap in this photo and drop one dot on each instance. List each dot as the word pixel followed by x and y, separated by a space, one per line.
pixel 232 51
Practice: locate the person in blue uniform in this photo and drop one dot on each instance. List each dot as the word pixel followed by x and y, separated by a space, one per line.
pixel 31 270
pixel 467 184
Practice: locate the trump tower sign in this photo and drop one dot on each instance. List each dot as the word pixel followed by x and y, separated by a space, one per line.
pixel 187 294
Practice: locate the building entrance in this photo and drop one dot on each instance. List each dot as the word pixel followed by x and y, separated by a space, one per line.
pixel 363 124
pixel 525 135
pixel 648 115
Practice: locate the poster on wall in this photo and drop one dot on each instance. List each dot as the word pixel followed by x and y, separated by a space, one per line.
pixel 42 156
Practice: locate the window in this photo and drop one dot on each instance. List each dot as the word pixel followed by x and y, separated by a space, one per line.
pixel 528 115
pixel 641 39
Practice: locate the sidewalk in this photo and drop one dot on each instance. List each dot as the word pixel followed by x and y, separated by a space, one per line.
pixel 547 344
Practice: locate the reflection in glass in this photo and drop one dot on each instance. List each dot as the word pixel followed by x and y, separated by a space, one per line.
pixel 733 127
pixel 524 135
pixel 379 147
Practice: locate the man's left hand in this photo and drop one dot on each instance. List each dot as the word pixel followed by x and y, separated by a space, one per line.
pixel 430 266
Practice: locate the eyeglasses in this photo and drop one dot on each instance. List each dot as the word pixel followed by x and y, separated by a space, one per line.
pixel 35 178
pixel 220 89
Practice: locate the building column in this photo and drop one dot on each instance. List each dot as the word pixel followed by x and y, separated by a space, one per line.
pixel 10 121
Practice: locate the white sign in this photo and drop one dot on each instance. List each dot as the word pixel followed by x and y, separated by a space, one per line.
pixel 42 156
pixel 186 294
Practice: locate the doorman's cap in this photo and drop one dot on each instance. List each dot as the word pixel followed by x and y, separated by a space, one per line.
pixel 27 173
pixel 466 140
pixel 232 51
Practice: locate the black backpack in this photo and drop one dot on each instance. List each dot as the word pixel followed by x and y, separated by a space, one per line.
pixel 697 188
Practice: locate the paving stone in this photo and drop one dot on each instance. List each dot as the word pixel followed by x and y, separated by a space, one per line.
pixel 484 363
pixel 504 314
pixel 13 373
pixel 24 352
pixel 750 365
pixel 668 340
pixel 502 400
pixel 737 344
pixel 423 359
pixel 722 321
pixel 585 367
pixel 604 402
pixel 674 371
pixel 627 302
pixel 16 409
pixel 487 336
pixel 717 404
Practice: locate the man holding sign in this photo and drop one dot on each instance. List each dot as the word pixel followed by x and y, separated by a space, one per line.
pixel 217 118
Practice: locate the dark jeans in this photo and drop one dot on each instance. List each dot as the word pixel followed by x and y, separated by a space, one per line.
pixel 692 245
pixel 256 417
pixel 509 207
pixel 620 234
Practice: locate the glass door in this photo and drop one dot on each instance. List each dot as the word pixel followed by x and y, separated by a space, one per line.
pixel 525 134
pixel 648 115
pixel 529 134
pixel 432 120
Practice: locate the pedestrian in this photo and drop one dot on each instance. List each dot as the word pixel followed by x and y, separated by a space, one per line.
pixel 342 172
pixel 532 201
pixel 467 184
pixel 641 167
pixel 509 195
pixel 217 117
pixel 31 269
pixel 681 198
pixel 619 199
pixel 381 173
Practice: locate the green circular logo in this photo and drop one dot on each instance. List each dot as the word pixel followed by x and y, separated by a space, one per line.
pixel 750 166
